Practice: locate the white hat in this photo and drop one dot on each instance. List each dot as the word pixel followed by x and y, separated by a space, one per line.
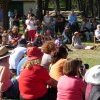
pixel 93 75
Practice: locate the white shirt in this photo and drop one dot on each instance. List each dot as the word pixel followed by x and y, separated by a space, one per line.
pixel 16 56
pixel 46 60
pixel 97 33
pixel 30 24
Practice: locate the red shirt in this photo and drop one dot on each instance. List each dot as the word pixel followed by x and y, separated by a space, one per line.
pixel 32 82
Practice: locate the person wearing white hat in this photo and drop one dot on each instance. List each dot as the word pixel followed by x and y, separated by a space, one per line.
pixel 77 43
pixel 92 77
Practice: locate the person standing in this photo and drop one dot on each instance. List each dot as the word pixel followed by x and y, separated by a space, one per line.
pixel 31 27
pixel 72 22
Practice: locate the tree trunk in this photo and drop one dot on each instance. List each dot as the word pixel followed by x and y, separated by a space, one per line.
pixel 46 3
pixel 70 4
pixel 4 5
pixel 91 12
pixel 39 13
pixel 98 2
pixel 57 8
pixel 80 5
pixel 66 5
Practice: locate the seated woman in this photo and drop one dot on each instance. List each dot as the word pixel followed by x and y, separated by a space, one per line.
pixel 13 37
pixel 34 78
pixel 57 63
pixel 70 86
pixel 77 43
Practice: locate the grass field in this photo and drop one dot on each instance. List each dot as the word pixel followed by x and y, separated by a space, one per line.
pixel 92 57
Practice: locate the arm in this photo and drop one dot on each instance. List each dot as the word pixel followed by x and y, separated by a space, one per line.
pixel 73 39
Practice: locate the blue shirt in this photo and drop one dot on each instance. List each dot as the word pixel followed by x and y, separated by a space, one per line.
pixel 72 19
pixel 19 66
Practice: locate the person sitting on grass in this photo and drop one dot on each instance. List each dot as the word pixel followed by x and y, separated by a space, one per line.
pixel 77 43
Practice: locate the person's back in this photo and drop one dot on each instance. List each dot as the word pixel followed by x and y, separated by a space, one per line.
pixel 17 54
pixel 70 86
pixel 92 77
pixel 16 57
pixel 5 81
pixel 8 87
pixel 95 93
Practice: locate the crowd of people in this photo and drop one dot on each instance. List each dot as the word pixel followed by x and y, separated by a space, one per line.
pixel 38 66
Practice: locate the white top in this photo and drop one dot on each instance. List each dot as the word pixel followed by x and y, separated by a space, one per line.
pixel 30 24
pixel 97 33
pixel 16 56
pixel 46 60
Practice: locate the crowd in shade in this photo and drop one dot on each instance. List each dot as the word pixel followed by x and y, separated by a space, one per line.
pixel 37 66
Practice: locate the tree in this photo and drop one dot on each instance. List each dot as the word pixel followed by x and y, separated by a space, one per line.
pixel 46 3
pixel 39 13
pixel 98 5
pixel 57 8
pixel 4 4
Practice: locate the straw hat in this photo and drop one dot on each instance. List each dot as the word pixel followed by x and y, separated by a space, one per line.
pixel 3 51
pixel 93 75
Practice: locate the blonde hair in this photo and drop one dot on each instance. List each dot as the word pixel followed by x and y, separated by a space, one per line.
pixel 31 63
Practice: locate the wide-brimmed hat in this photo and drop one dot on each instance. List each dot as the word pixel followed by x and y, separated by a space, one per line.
pixel 3 50
pixel 75 33
pixel 34 53
pixel 93 75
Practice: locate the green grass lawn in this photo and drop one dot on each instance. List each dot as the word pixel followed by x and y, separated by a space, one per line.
pixel 92 57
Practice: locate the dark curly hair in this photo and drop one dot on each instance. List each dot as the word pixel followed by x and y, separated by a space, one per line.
pixel 61 52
